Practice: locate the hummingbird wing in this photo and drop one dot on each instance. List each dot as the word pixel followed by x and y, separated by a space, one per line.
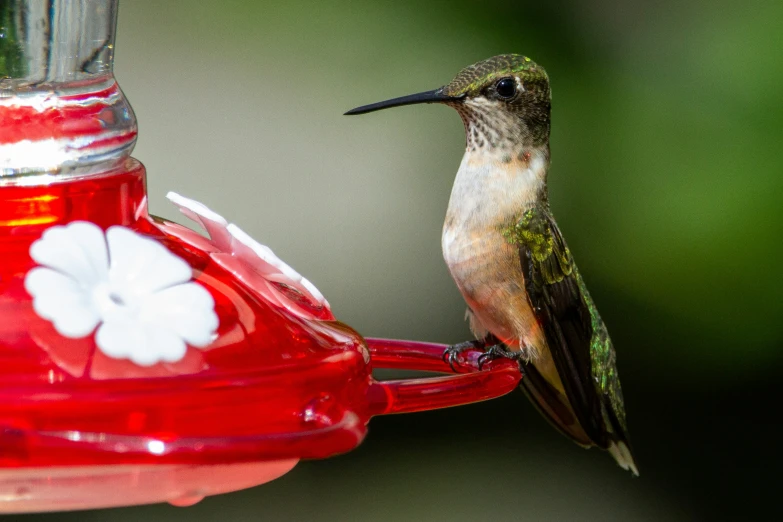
pixel 576 336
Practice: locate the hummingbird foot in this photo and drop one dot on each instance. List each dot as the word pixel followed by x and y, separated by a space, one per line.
pixel 498 351
pixel 452 353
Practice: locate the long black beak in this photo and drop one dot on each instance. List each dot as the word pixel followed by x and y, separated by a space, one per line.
pixel 435 96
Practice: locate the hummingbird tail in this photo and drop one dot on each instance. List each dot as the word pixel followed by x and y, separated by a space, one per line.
pixel 622 454
pixel 554 406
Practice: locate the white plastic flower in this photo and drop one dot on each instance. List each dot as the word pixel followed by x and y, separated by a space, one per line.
pixel 136 292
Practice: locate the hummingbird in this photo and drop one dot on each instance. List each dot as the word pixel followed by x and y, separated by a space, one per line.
pixel 526 298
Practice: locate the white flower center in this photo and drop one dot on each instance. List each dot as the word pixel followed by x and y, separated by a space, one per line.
pixel 111 302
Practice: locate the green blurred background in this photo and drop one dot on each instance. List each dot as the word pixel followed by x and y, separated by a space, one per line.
pixel 666 179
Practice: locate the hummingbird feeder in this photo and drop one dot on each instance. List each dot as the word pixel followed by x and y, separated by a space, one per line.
pixel 142 361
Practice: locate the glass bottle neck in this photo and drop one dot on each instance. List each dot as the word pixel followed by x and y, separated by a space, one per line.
pixel 61 111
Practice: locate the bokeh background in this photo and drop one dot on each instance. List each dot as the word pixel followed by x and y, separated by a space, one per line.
pixel 666 179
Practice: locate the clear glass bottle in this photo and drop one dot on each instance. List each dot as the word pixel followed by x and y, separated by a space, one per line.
pixel 63 112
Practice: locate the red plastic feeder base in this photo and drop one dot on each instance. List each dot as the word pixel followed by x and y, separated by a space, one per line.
pixel 95 420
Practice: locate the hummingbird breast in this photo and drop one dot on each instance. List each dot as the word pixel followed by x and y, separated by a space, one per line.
pixel 488 194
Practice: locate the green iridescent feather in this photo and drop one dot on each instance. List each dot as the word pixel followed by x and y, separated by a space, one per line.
pixel 556 277
pixel 471 79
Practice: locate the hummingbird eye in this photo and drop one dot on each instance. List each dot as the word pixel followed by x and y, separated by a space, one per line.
pixel 506 88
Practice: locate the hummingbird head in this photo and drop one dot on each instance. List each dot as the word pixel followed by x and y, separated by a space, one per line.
pixel 504 102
